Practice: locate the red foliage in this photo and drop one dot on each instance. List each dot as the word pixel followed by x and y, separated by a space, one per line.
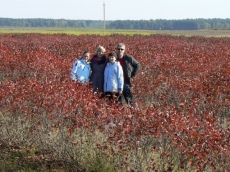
pixel 182 86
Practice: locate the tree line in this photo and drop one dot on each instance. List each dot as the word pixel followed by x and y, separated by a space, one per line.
pixel 159 24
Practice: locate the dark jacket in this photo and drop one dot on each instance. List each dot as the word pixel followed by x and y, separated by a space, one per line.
pixel 97 75
pixel 132 66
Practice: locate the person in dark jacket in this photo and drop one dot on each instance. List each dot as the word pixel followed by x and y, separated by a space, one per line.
pixel 98 63
pixel 130 68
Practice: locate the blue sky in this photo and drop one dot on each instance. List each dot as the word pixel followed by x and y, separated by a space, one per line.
pixel 115 9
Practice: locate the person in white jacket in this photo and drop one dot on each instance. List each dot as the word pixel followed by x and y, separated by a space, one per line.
pixel 113 78
pixel 81 69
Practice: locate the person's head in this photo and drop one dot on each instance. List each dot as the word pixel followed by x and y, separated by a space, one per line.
pixel 86 55
pixel 120 49
pixel 100 51
pixel 112 57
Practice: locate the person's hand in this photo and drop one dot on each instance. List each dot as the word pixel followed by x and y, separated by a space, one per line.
pixel 120 92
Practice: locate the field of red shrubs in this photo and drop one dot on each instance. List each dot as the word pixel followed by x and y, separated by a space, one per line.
pixel 182 89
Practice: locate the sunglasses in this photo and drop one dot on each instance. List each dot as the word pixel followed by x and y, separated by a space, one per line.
pixel 120 49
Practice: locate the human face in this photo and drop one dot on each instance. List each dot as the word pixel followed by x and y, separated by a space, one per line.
pixel 112 59
pixel 86 56
pixel 120 51
pixel 100 53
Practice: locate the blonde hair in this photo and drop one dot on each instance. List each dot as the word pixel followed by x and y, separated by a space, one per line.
pixel 100 48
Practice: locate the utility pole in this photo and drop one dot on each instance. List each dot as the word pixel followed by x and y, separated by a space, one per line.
pixel 104 14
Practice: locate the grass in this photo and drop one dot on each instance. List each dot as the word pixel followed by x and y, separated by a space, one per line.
pixel 56 151
pixel 35 152
pixel 72 31
pixel 14 158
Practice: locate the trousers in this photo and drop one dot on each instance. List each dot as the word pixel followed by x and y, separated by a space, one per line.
pixel 127 93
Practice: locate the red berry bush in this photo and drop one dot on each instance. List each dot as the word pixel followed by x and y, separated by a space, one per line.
pixel 182 90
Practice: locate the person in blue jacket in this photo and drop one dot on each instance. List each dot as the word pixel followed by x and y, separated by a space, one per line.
pixel 81 69
pixel 113 78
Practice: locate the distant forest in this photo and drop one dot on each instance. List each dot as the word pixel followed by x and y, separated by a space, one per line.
pixel 159 24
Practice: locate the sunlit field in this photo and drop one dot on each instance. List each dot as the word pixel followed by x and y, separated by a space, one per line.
pixel 48 123
pixel 71 31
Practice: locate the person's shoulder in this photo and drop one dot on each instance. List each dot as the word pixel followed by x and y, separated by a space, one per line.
pixel 94 56
pixel 128 56
pixel 76 61
pixel 79 59
pixel 117 63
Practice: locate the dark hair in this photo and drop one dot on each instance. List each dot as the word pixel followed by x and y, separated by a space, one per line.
pixel 113 54
pixel 86 52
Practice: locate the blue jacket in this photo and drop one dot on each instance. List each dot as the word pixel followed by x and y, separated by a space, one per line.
pixel 80 71
pixel 113 77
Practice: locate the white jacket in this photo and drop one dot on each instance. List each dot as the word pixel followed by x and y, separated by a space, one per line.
pixel 113 77
pixel 80 71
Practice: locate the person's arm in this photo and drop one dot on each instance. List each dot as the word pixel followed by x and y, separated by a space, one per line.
pixel 120 78
pixel 89 68
pixel 74 70
pixel 136 66
pixel 105 79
